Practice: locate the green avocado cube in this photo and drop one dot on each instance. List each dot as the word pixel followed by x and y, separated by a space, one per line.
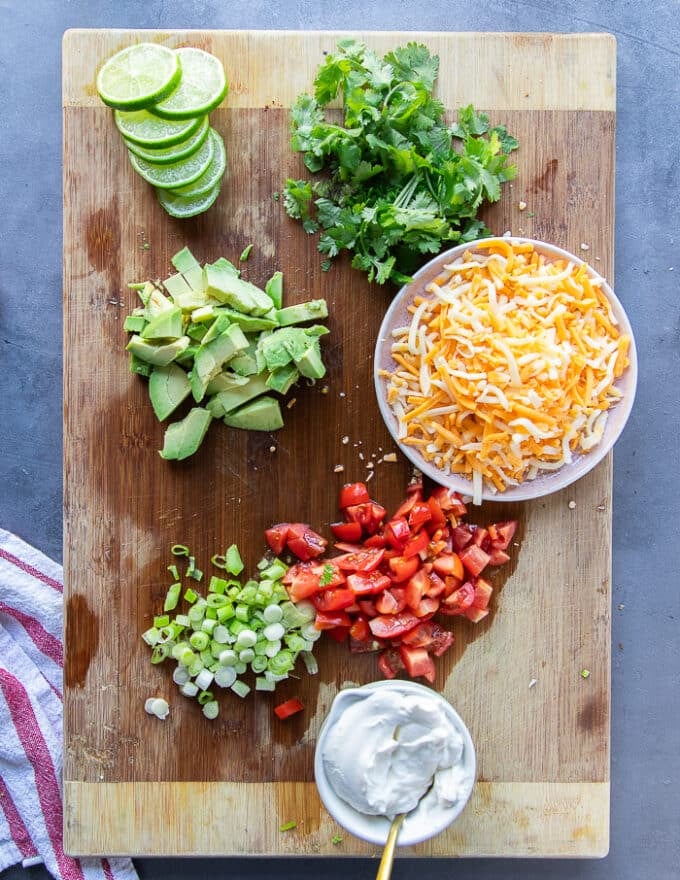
pixel 298 314
pixel 283 379
pixel 261 414
pixel 141 368
pixel 211 356
pixel 158 355
pixel 225 381
pixel 168 387
pixel 183 438
pixel 134 323
pixel 176 285
pixel 274 289
pixel 184 260
pixel 165 325
pixel 230 399
pixel 310 364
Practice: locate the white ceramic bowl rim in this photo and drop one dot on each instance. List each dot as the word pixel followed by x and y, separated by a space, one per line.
pixel 546 483
pixel 375 829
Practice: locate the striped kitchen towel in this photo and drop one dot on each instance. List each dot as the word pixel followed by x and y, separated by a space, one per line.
pixel 31 671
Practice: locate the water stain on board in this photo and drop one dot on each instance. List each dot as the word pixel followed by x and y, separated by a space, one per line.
pixel 82 637
pixel 592 716
pixel 545 181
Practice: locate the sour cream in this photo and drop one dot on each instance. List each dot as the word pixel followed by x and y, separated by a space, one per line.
pixel 394 747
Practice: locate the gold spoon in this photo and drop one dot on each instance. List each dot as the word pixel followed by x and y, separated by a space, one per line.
pixel 385 867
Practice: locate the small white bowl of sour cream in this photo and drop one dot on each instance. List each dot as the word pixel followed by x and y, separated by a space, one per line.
pixel 394 747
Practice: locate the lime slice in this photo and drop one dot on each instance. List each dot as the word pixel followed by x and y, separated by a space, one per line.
pixel 213 173
pixel 138 76
pixel 202 87
pixel 147 130
pixel 168 155
pixel 181 206
pixel 178 173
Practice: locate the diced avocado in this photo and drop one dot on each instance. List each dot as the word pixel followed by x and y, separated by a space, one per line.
pixel 225 381
pixel 218 327
pixel 216 276
pixel 245 364
pixel 283 379
pixel 134 323
pixel 194 278
pixel 223 282
pixel 144 291
pixel 249 323
pixel 274 289
pixel 183 438
pixel 197 331
pixel 310 363
pixel 166 325
pixel 176 285
pixel 190 301
pixel 226 401
pixel 158 355
pixel 274 350
pixel 168 387
pixel 203 314
pixel 298 314
pixel 261 414
pixel 186 359
pixel 184 260
pixel 142 368
pixel 209 358
pixel 156 303
pixel 316 330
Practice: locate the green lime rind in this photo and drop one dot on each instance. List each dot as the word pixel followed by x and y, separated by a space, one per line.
pixel 183 207
pixel 178 173
pixel 202 86
pixel 212 174
pixel 139 76
pixel 169 155
pixel 152 132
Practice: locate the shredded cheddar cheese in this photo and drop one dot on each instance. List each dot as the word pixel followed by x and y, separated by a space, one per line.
pixel 508 366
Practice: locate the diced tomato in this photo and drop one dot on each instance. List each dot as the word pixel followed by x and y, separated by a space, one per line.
pixel 452 583
pixel 347 531
pixel 460 600
pixel 449 564
pixel 391 626
pixel 276 537
pixel 450 502
pixel 416 544
pixel 431 636
pixel 417 586
pixel 419 514
pixel 502 533
pixel 333 599
pixel 407 505
pixel 290 707
pixel 365 646
pixel 390 602
pixel 367 607
pixel 368 583
pixel 368 514
pixel 437 585
pixel 360 560
pixel 426 607
pixel 438 519
pixel 402 568
pixel 390 663
pixel 302 581
pixel 359 629
pixel 338 633
pixel 375 541
pixel 417 662
pixel 461 536
pixel 476 614
pixel 474 559
pixel 332 619
pixel 397 532
pixel 353 493
pixel 497 557
pixel 304 542
pixel 483 591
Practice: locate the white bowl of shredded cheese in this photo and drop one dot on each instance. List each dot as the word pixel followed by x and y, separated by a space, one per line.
pixel 506 369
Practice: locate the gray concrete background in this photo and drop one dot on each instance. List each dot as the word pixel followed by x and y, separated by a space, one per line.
pixel 646 609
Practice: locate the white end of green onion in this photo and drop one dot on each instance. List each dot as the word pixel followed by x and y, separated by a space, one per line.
pixel 151 636
pixel 228 657
pixel 240 688
pixel 211 709
pixel 272 614
pixel 246 639
pixel 272 676
pixel 274 632
pixel 309 660
pixel 180 675
pixel 189 689
pixel 309 632
pixel 247 655
pixel 240 667
pixel 204 679
pixel 225 676
pixel 157 706
pixel 221 635
pixel 263 684
pixel 272 649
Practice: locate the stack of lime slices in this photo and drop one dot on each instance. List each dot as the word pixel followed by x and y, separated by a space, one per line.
pixel 161 99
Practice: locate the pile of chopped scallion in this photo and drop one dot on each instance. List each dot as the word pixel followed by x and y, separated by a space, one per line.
pixel 234 628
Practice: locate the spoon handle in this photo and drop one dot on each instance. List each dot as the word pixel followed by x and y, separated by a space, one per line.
pixel 385 867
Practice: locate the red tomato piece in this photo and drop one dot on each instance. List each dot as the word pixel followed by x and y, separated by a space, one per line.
pixel 416 544
pixel 347 531
pixel 367 608
pixel 290 707
pixel 359 629
pixel 460 600
pixel 365 646
pixel 369 583
pixel 474 559
pixel 276 537
pixel 332 619
pixel 390 602
pixel 397 532
pixel 302 581
pixel 429 635
pixel 360 560
pixel 353 493
pixel 437 585
pixel 333 599
pixel 304 542
pixel 476 614
pixel 392 626
pixel 483 591
pixel 449 564
pixel 427 607
pixel 502 533
pixel 480 537
pixel 461 536
pixel 417 662
pixel 437 519
pixel 416 587
pixel 497 557
pixel 420 514
pixel 402 568
pixel 374 541
pixel 390 663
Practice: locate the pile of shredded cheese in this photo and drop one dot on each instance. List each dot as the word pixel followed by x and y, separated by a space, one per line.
pixel 508 367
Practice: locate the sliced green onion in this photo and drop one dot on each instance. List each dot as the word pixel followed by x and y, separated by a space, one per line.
pixel 225 612
pixel 262 684
pixel 172 596
pixel 189 689
pixel 240 667
pixel 240 688
pixel 247 655
pixel 219 561
pixel 258 664
pixel 190 596
pixel 161 620
pixel 225 676
pixel 234 561
pixel 151 636
pixel 309 660
pixel 274 632
pixel 272 614
pixel 288 826
pixel 217 585
pixel 211 709
pixel 199 640
pixel 183 620
pixel 310 632
pixel 203 680
pixel 179 550
pixel 180 675
pixel 246 638
pixel 272 649
pixel 221 635
pixel 160 653
pixel 245 253
pixel 228 657
pixel 173 571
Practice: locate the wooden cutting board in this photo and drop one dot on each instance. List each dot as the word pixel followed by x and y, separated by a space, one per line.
pixel 186 786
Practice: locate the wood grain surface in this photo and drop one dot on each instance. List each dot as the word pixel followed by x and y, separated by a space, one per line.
pixel 133 784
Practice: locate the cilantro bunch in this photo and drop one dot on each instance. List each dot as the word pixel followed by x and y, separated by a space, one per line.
pixel 399 183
